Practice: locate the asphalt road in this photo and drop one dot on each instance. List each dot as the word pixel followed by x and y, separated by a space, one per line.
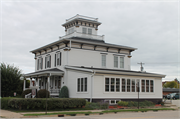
pixel 125 115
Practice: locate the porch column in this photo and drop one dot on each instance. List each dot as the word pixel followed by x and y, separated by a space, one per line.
pixel 30 82
pixel 38 83
pixel 24 88
pixel 48 82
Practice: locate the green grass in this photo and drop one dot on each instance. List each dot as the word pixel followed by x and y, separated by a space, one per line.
pixel 75 109
pixel 107 111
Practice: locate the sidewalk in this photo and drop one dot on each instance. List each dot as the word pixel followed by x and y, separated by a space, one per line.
pixel 9 114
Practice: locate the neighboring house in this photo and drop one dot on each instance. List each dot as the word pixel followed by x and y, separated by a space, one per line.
pixel 91 68
pixel 167 91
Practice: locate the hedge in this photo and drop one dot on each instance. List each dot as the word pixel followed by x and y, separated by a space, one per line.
pixel 4 102
pixel 40 103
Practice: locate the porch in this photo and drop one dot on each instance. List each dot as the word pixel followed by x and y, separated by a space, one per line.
pixel 51 80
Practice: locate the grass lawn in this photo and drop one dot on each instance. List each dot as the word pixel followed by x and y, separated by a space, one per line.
pixel 106 111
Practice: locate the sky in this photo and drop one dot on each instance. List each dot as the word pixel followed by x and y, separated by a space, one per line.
pixel 150 26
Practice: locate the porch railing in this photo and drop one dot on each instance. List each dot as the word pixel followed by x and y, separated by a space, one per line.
pixel 54 91
pixel 28 95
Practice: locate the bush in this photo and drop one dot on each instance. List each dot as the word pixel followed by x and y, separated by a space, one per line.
pixel 123 103
pixel 42 93
pixel 141 104
pixel 64 93
pixel 4 102
pixel 99 105
pixel 26 92
pixel 40 103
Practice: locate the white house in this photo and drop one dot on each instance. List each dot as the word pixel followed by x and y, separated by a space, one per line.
pixel 90 67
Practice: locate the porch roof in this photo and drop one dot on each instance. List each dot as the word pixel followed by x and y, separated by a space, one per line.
pixel 115 71
pixel 47 72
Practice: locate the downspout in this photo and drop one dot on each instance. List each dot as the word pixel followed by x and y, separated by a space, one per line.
pixel 70 44
pixel 92 78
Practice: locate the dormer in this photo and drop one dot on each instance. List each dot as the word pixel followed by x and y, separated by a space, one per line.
pixel 86 26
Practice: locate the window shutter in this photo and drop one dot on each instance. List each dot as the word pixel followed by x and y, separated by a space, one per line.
pixel 45 62
pixel 55 60
pixel 38 64
pixel 49 61
pixel 60 59
pixel 41 63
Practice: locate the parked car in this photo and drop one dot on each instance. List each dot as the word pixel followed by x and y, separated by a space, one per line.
pixel 165 96
pixel 171 95
pixel 176 96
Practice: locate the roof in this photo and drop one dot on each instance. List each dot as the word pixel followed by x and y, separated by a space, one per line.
pixel 171 90
pixel 47 72
pixel 84 41
pixel 115 71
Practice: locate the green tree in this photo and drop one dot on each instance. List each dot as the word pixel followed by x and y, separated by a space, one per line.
pixel 10 80
pixel 171 84
pixel 64 93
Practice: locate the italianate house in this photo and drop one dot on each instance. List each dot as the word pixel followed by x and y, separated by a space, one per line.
pixel 90 67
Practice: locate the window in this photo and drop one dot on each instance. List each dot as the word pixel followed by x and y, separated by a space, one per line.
pixel 112 84
pixel 89 31
pixel 121 62
pixel 82 84
pixel 133 85
pixel 147 85
pixel 151 85
pixel 103 60
pixel 123 85
pixel 57 58
pixel 84 30
pixel 40 63
pixel 48 61
pixel 116 61
pixel 117 84
pixel 128 85
pixel 107 84
pixel 143 85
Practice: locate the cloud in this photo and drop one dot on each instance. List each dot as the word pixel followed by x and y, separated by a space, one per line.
pixel 152 27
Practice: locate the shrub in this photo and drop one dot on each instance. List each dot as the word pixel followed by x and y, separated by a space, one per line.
pixel 4 102
pixel 122 103
pixel 40 103
pixel 64 93
pixel 42 93
pixel 26 92
pixel 98 105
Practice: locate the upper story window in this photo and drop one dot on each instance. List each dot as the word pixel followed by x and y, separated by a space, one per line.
pixel 116 61
pixel 48 61
pixel 90 31
pixel 84 30
pixel 103 60
pixel 57 58
pixel 82 84
pixel 40 63
pixel 120 60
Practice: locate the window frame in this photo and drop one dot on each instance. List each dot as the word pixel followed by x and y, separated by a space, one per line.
pixel 56 62
pixel 103 61
pixel 84 30
pixel 83 86
pixel 48 58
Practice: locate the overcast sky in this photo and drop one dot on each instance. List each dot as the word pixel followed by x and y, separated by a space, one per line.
pixel 150 26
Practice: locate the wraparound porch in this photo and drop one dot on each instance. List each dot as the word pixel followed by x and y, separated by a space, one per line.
pixel 51 79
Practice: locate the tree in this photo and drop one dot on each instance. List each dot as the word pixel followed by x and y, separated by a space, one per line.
pixel 64 93
pixel 171 84
pixel 10 79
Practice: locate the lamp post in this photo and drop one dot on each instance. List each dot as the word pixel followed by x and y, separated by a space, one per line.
pixel 138 92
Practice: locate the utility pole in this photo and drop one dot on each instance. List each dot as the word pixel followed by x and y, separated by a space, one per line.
pixel 141 68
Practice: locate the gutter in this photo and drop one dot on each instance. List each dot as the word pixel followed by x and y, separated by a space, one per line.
pixel 92 79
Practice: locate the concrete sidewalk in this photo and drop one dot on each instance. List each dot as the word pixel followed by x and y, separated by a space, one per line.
pixel 9 114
